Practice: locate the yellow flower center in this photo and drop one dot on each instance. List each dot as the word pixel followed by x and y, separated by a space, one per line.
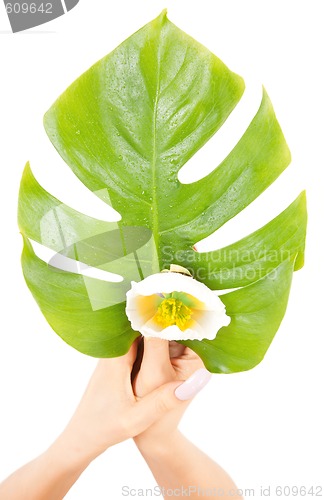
pixel 173 311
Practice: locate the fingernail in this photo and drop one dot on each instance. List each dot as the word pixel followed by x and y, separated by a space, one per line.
pixel 193 385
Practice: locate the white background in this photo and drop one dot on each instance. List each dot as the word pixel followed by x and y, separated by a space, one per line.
pixel 264 426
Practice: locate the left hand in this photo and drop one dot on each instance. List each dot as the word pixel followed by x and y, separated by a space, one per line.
pixel 110 410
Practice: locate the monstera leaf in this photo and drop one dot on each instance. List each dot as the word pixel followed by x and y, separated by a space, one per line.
pixel 125 128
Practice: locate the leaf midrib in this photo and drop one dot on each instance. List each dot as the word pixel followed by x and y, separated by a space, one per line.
pixel 155 215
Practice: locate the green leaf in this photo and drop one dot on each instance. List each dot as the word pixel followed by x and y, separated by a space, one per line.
pixel 255 255
pixel 151 104
pixel 125 128
pixel 65 300
pixel 46 220
pixel 256 313
pixel 50 222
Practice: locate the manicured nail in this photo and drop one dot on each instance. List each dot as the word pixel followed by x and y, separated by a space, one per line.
pixel 193 385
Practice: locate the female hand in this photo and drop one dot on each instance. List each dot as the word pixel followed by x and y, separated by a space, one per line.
pixel 165 362
pixel 108 413
pixel 110 410
pixel 177 464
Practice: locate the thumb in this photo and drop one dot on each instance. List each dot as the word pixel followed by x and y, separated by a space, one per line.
pixel 167 397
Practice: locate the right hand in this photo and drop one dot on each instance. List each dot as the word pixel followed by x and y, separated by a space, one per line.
pixel 164 362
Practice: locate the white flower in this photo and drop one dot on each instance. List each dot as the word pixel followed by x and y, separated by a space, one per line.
pixel 175 306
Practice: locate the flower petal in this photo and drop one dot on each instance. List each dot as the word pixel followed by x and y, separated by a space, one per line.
pixel 175 282
pixel 208 311
pixel 195 332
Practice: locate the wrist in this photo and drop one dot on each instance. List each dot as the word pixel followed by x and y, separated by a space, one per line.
pixel 158 446
pixel 70 453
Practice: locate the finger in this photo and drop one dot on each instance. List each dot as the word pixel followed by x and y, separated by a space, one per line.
pixel 119 368
pixel 130 356
pixel 164 399
pixel 176 349
pixel 190 354
pixel 156 352
pixel 156 356
pixel 156 368
pixel 156 365
pixel 186 364
pixel 185 368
